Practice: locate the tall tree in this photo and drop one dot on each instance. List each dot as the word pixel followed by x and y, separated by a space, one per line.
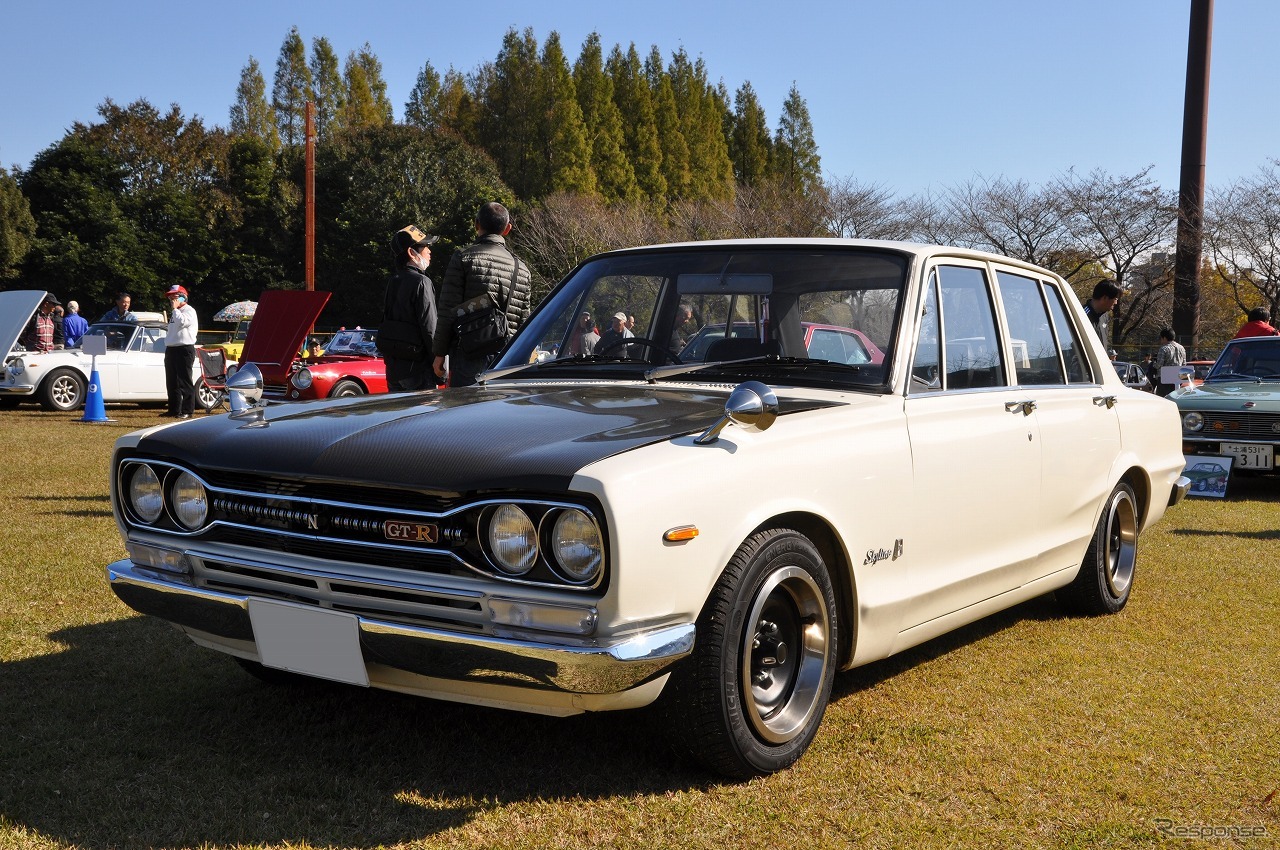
pixel 639 125
pixel 674 149
pixel 419 109
pixel 251 115
pixel 367 104
pixel 702 114
pixel 17 226
pixel 615 178
pixel 1243 238
pixel 291 89
pixel 795 152
pixel 567 151
pixel 455 108
pixel 327 89
pixel 513 103
pixel 749 142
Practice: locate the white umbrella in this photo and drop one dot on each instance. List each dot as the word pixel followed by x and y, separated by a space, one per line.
pixel 236 312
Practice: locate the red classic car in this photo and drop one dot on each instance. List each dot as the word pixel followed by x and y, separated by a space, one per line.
pixel 350 365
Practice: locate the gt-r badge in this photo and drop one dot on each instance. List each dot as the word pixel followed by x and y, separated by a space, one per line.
pixel 411 532
pixel 875 556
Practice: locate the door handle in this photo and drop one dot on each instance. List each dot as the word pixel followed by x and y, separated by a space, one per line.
pixel 1025 406
pixel 1107 401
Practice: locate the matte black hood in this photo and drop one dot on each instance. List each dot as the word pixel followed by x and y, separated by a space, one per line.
pixel 450 441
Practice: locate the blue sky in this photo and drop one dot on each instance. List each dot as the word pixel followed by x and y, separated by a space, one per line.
pixel 912 95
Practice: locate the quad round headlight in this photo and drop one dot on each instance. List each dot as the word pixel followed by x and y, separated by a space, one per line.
pixel 513 540
pixel 146 496
pixel 575 540
pixel 301 379
pixel 190 501
pixel 1192 421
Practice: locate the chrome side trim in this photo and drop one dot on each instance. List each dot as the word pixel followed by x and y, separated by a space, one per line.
pixel 607 667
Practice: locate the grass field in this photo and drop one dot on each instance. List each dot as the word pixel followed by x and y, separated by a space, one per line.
pixel 1155 728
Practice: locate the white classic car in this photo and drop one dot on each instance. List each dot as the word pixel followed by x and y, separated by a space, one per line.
pixel 597 532
pixel 132 370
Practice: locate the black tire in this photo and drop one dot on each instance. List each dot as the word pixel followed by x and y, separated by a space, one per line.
pixel 62 390
pixel 1106 575
pixel 346 389
pixel 749 701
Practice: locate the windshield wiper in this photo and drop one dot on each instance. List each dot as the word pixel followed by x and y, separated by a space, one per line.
pixel 581 359
pixel 1233 376
pixel 658 372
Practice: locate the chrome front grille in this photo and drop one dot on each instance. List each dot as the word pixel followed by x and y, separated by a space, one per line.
pixel 1242 426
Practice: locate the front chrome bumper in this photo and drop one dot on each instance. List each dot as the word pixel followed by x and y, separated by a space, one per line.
pixel 606 667
pixel 17 389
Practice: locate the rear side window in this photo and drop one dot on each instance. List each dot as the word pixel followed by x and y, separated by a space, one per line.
pixel 1078 371
pixel 1036 359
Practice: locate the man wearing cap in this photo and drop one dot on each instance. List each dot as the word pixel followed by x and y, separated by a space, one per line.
pixel 180 354
pixel 485 267
pixel 409 313
pixel 611 340
pixel 43 333
pixel 74 325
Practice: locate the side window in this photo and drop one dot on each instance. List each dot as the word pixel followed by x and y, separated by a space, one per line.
pixel 1035 350
pixel 971 346
pixel 926 364
pixel 1078 371
pixel 148 339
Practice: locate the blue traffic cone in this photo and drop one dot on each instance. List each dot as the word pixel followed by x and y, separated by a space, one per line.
pixel 94 409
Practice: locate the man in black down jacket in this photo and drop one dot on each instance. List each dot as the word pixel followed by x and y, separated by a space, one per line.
pixel 483 267
pixel 411 298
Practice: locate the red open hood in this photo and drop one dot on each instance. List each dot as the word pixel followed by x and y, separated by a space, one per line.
pixel 279 325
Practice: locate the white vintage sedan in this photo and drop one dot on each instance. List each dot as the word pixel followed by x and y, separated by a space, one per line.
pixel 132 370
pixel 602 531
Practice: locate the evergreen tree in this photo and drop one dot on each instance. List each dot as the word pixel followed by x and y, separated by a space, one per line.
pixel 251 115
pixel 701 114
pixel 796 160
pixel 513 102
pixel 367 104
pixel 17 226
pixel 327 89
pixel 292 85
pixel 568 152
pixel 674 149
pixel 455 107
pixel 749 141
pixel 615 178
pixel 419 108
pixel 634 100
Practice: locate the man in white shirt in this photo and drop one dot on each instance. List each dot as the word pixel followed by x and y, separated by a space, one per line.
pixel 180 354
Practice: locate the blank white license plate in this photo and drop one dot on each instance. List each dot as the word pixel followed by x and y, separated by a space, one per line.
pixel 311 641
pixel 1249 456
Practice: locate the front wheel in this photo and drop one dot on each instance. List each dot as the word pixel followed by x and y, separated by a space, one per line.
pixel 750 699
pixel 346 389
pixel 1106 576
pixel 63 390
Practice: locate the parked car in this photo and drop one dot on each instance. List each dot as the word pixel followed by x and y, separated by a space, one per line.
pixel 822 342
pixel 1200 370
pixel 132 370
pixel 1236 411
pixel 348 365
pixel 1132 374
pixel 605 531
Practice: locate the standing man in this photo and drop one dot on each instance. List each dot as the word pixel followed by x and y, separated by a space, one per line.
pixel 583 338
pixel 180 353
pixel 74 325
pixel 1171 353
pixel 120 312
pixel 485 267
pixel 1098 309
pixel 409 313
pixel 43 333
pixel 611 339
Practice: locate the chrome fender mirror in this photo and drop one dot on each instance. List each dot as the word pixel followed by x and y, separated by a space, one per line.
pixel 245 388
pixel 751 405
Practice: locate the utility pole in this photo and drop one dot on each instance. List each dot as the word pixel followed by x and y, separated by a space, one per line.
pixel 309 228
pixel 1195 120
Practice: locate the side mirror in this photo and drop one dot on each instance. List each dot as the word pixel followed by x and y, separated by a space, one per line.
pixel 245 388
pixel 751 405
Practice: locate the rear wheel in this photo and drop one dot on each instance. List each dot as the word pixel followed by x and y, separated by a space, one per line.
pixel 207 397
pixel 1106 576
pixel 750 699
pixel 63 390
pixel 346 389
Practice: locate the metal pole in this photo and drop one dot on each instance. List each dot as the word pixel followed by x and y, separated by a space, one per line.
pixel 1195 120
pixel 310 202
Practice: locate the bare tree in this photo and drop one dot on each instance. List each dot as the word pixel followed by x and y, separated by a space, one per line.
pixel 1008 217
pixel 857 211
pixel 1242 238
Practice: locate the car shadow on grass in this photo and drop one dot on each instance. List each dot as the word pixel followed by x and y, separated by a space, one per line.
pixel 132 736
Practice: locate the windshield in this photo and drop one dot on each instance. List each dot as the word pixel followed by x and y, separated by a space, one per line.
pixel 808 316
pixel 1253 358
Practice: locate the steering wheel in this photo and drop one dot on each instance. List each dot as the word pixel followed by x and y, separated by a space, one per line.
pixel 644 342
